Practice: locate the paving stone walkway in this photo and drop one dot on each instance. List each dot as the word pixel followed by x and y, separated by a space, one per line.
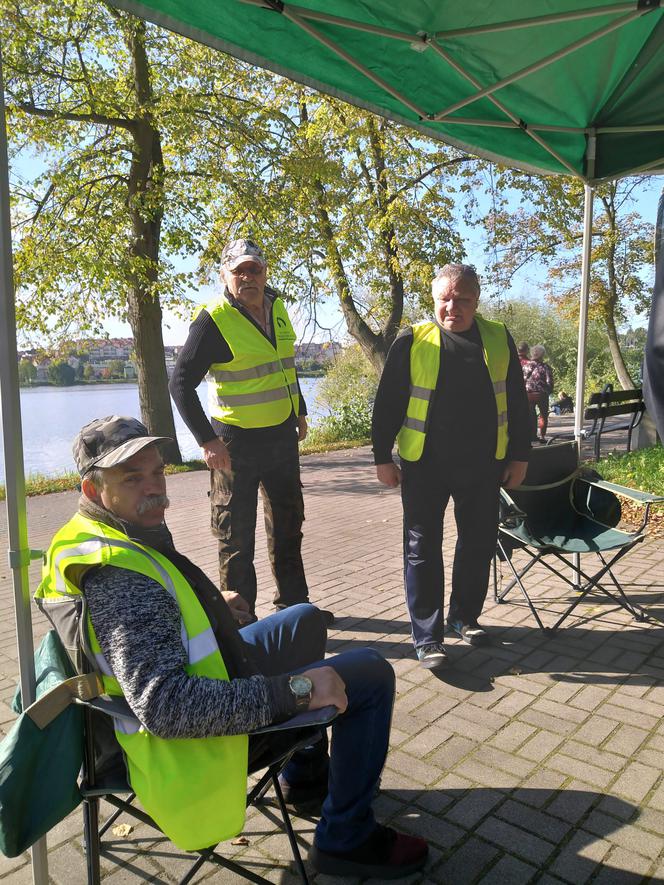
pixel 537 760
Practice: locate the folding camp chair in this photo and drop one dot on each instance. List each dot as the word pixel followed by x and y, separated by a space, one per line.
pixel 563 509
pixel 104 777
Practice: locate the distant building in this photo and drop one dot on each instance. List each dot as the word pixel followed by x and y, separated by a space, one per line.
pixel 316 352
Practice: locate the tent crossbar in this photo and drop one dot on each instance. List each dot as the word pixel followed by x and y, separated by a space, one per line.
pixel 538 65
pixel 327 18
pixel 510 124
pixel 546 127
pixel 512 25
pixel 650 165
pixel 626 130
pixel 358 66
pixel 535 21
pixel 505 110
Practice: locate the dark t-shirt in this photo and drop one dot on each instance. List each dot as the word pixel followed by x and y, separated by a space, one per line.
pixel 462 425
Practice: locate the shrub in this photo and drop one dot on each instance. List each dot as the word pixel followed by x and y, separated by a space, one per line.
pixel 348 391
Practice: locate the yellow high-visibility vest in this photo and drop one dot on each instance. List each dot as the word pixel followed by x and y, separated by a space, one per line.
pixel 258 387
pixel 194 788
pixel 424 368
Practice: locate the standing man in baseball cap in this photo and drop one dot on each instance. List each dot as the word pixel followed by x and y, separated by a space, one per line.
pixel 245 343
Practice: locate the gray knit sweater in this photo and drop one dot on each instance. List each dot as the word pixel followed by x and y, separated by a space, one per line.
pixel 137 624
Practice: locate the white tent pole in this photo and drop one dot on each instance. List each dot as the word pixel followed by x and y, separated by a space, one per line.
pixel 17 523
pixel 583 314
pixel 583 326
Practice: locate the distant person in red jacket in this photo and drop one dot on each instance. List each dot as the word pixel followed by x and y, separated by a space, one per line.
pixel 527 365
pixel 538 376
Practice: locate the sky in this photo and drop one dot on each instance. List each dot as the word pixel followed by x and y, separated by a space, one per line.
pixel 527 284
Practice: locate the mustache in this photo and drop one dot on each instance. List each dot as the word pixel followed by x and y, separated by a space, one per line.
pixel 151 502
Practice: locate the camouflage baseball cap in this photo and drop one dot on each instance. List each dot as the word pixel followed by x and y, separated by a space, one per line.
pixel 237 251
pixel 105 442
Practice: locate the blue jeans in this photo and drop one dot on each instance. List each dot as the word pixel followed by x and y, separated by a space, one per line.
pixel 425 493
pixel 293 640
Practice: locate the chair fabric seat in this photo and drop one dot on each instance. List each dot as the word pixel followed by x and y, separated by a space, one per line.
pixel 560 510
pixel 582 535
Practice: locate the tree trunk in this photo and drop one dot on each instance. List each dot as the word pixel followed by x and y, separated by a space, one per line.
pixel 610 310
pixel 146 208
pixel 616 354
pixel 155 403
pixel 373 344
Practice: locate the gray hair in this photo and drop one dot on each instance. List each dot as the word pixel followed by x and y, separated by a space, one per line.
pixel 459 272
pixel 96 477
pixel 537 352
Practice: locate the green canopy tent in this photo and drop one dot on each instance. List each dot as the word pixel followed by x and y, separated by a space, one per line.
pixel 553 87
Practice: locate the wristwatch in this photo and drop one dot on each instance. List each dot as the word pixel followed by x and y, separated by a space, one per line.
pixel 302 688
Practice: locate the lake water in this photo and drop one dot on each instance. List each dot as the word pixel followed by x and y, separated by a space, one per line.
pixel 52 416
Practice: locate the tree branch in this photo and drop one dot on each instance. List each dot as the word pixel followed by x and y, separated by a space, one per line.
pixel 102 119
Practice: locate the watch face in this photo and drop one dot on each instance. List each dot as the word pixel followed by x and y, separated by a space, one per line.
pixel 300 686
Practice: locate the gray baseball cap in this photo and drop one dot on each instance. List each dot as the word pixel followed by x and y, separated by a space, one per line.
pixel 237 251
pixel 105 442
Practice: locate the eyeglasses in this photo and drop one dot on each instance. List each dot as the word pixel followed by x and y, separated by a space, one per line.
pixel 253 270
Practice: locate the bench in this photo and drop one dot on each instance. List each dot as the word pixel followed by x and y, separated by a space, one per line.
pixel 609 404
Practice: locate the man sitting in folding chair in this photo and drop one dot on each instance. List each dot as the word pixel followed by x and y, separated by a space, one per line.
pixel 165 640
pixel 562 510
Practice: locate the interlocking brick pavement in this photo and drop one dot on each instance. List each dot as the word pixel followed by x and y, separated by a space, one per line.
pixel 536 760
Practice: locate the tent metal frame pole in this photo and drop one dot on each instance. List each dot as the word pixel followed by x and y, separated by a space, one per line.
pixel 17 522
pixel 535 21
pixel 333 47
pixel 542 63
pixel 513 25
pixel 588 194
pixel 502 108
pixel 583 313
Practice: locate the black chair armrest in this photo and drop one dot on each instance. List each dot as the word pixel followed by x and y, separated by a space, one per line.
pixel 118 707
pixel 320 717
pixel 509 514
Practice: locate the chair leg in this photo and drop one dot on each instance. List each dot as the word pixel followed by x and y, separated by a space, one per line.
pixel 516 581
pixel 116 814
pixel 91 837
pixel 295 848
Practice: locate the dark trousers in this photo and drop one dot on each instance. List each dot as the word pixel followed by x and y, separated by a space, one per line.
pixel 294 640
pixel 274 467
pixel 538 403
pixel 425 492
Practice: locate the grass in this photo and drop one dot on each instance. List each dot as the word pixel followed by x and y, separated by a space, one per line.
pixel 37 484
pixel 642 470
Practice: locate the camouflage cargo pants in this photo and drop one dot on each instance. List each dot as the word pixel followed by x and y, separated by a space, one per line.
pixel 275 469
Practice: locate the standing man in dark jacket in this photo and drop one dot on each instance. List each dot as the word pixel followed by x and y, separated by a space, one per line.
pixel 245 343
pixel 452 395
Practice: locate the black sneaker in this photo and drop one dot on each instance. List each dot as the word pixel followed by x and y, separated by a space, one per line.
pixel 473 634
pixel 386 854
pixel 304 798
pixel 328 617
pixel 432 656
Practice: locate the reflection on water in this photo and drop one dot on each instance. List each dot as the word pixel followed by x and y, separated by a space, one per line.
pixel 52 416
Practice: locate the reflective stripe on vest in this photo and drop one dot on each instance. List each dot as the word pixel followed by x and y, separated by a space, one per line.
pixel 258 387
pixel 424 369
pixel 194 788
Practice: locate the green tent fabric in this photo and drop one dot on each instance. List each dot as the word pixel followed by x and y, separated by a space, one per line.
pixel 551 86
